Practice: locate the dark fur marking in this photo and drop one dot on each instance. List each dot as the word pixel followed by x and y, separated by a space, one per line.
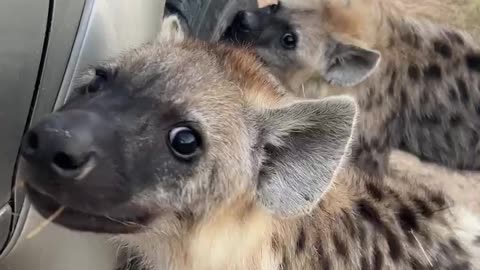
pixel 445 249
pixel 462 88
pixel 403 98
pixel 394 244
pixel 364 264
pixel 357 152
pixel 391 86
pixel 133 262
pixel 455 37
pixel 448 139
pixel 439 199
pixel 324 260
pixel 407 219
pixel 368 105
pixel 385 143
pixel 433 72
pixel 368 162
pixel 402 145
pixel 326 264
pixel 374 191
pixel 377 259
pixel 374 143
pixel 474 139
pixel 412 39
pixel 425 97
pixel 473 61
pixel 457 246
pixel 379 100
pixel 365 144
pixel 461 266
pixel 349 224
pixel 442 48
pixel 423 207
pixel 477 109
pixel 340 246
pixel 300 241
pixel 211 177
pixel 392 193
pixel 185 217
pixel 455 119
pixel 275 243
pixel 452 94
pixel 370 93
pixel 362 234
pixel 431 119
pixel 413 72
pixel 284 264
pixel 369 213
pixel 319 248
pixel 416 265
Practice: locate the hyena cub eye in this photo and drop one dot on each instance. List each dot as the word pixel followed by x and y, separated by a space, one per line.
pixel 184 142
pixel 289 41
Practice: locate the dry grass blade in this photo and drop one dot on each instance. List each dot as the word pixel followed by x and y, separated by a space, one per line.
pixel 47 221
pixel 422 249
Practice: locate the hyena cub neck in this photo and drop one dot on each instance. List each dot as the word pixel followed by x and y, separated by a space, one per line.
pixel 417 82
pixel 192 156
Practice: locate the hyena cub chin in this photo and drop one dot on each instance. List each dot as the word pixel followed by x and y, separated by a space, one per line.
pixel 194 158
pixel 417 82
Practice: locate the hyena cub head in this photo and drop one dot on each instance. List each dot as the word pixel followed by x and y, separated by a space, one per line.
pixel 298 42
pixel 182 128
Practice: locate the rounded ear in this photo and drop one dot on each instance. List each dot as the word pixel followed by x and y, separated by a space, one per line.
pixel 171 30
pixel 305 143
pixel 348 65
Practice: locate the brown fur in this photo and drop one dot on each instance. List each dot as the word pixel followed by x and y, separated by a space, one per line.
pixel 359 222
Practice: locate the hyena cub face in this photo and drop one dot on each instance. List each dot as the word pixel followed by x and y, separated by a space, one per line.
pixel 298 43
pixel 181 128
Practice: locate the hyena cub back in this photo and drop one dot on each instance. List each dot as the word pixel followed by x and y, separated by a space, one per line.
pixel 193 157
pixel 417 83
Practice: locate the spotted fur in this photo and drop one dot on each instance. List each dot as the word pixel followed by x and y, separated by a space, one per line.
pixel 424 97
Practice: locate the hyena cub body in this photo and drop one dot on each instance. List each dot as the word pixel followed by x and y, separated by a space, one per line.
pixel 194 158
pixel 422 96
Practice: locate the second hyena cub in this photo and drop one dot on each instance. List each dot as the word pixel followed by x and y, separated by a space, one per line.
pixel 195 159
pixel 417 82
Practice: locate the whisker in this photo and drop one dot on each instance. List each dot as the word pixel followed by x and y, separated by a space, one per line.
pixel 47 221
pixel 422 249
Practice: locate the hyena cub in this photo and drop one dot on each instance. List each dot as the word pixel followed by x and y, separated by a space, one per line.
pixel 417 82
pixel 194 158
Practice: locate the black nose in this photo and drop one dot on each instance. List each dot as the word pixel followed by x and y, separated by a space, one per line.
pixel 245 21
pixel 63 143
